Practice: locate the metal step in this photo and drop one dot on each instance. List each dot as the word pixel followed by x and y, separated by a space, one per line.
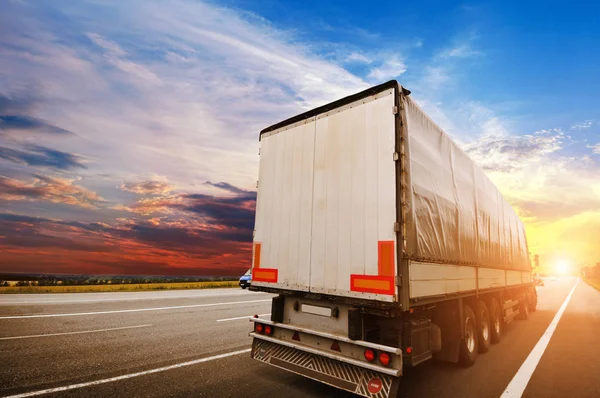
pixel 510 304
pixel 510 317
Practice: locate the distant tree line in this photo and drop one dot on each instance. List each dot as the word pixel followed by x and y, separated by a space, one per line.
pixel 591 272
pixel 109 280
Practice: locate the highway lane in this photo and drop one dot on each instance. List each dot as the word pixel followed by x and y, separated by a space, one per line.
pixel 179 335
pixel 175 335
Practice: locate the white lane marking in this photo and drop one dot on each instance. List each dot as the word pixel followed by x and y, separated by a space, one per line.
pixel 517 385
pixel 128 376
pixel 68 333
pixel 240 317
pixel 124 311
pixel 46 300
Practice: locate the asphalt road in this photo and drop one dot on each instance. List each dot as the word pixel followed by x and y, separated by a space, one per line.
pixel 195 343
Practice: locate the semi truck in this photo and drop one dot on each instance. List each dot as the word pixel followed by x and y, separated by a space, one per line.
pixel 384 244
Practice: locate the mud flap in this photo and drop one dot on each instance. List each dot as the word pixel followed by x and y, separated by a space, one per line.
pixel 363 382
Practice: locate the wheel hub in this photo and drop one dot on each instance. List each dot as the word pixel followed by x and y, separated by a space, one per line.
pixel 485 327
pixel 470 334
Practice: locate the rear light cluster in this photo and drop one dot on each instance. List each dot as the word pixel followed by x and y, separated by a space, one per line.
pixel 263 329
pixel 384 358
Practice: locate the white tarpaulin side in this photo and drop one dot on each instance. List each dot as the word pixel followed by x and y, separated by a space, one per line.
pixel 457 214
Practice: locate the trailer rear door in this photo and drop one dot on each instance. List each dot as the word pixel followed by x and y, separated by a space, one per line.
pixel 326 203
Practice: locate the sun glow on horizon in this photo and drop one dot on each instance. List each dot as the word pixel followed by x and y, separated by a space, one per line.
pixel 563 267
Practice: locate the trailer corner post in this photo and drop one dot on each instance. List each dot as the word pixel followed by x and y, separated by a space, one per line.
pixel 401 195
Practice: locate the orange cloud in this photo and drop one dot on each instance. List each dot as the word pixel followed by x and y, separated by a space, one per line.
pixel 147 187
pixel 50 189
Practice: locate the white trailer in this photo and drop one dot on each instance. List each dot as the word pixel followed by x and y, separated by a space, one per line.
pixel 385 243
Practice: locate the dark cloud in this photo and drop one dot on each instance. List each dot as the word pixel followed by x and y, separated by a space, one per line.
pixel 227 187
pixel 16 122
pixel 25 232
pixel 174 236
pixel 236 212
pixel 233 216
pixel 15 114
pixel 18 105
pixel 37 155
pixel 7 217
pixel 198 240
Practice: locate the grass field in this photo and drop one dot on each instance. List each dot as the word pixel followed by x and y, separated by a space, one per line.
pixel 594 282
pixel 134 287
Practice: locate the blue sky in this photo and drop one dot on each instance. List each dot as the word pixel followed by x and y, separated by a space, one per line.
pixel 125 124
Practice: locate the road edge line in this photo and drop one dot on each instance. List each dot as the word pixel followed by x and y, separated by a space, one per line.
pixel 519 382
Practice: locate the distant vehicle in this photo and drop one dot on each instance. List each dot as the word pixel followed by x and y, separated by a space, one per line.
pixel 246 279
pixel 385 244
pixel 537 280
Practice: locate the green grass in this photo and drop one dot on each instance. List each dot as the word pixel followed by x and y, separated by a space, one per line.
pixel 134 287
pixel 593 282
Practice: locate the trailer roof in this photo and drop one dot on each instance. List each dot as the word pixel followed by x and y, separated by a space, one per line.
pixel 335 104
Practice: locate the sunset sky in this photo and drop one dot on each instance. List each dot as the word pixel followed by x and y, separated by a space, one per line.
pixel 129 129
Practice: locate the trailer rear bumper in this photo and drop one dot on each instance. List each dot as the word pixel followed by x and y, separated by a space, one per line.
pixel 345 376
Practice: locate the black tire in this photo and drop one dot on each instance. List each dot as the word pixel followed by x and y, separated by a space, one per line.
pixel 533 301
pixel 523 308
pixel 243 286
pixel 495 321
pixel 483 326
pixel 469 342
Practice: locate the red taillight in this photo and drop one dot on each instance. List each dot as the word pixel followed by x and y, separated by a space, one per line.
pixel 369 355
pixel 408 350
pixel 258 327
pixel 268 330
pixel 384 358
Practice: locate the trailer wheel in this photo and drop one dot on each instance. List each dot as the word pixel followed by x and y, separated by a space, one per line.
pixel 533 301
pixel 483 326
pixel 469 343
pixel 495 321
pixel 523 308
